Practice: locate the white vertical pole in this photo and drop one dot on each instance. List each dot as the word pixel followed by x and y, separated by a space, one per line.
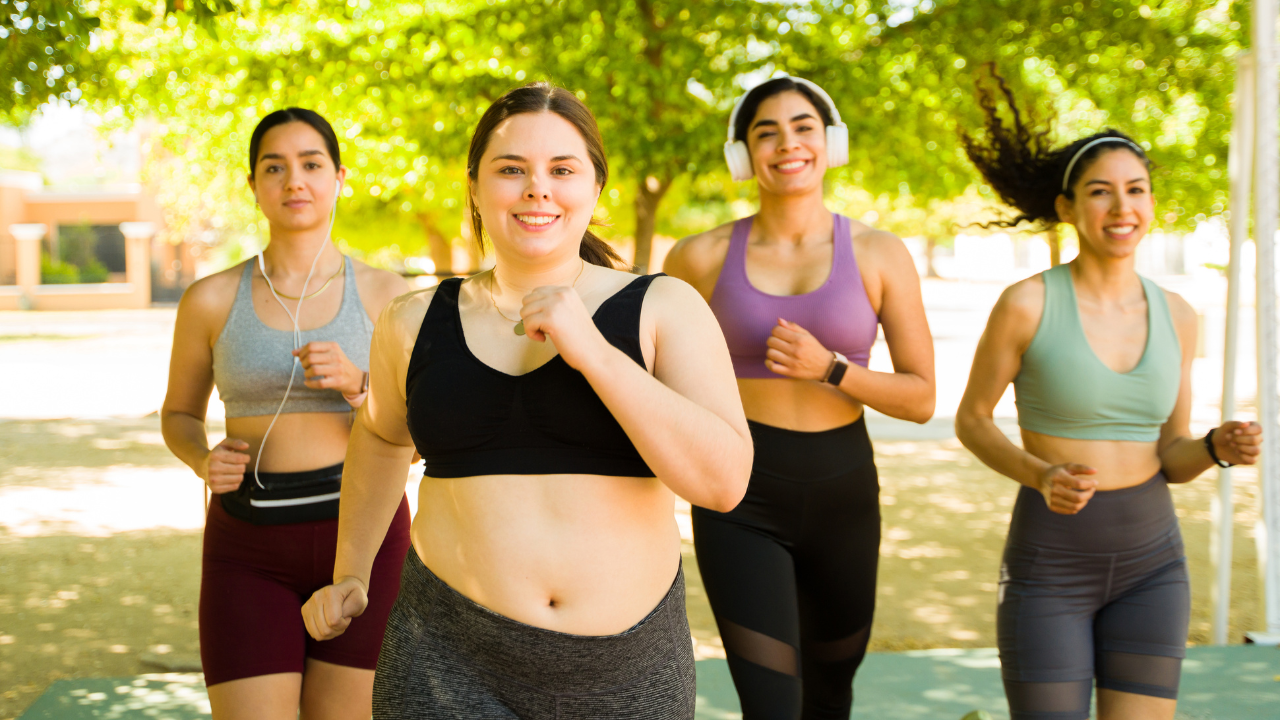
pixel 1267 190
pixel 1222 509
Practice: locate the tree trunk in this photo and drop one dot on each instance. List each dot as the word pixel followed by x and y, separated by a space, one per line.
pixel 1055 247
pixel 647 200
pixel 931 244
pixel 438 245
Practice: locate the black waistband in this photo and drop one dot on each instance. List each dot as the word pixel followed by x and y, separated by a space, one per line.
pixel 283 498
pixel 808 456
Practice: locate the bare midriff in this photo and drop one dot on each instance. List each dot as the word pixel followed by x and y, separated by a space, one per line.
pixel 1120 463
pixel 801 405
pixel 578 554
pixel 298 442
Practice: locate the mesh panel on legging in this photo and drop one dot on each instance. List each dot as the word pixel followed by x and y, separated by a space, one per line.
pixel 758 648
pixel 1153 675
pixel 1049 700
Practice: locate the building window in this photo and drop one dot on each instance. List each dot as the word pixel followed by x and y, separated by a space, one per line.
pixel 95 251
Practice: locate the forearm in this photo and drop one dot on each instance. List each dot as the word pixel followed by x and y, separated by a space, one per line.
pixel 695 452
pixel 903 395
pixel 1184 459
pixel 186 437
pixel 981 436
pixel 373 479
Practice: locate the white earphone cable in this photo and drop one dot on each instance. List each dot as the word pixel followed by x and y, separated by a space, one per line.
pixel 297 331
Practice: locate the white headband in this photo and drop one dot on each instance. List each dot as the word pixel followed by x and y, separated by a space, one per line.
pixel 1066 176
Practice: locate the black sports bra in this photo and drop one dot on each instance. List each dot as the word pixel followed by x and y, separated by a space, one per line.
pixel 468 419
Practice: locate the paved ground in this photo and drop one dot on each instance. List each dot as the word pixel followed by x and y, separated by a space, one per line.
pixel 100 526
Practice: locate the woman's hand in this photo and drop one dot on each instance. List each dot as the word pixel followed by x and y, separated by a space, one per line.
pixel 1066 488
pixel 326 367
pixel 331 608
pixel 1238 443
pixel 223 468
pixel 795 353
pixel 557 313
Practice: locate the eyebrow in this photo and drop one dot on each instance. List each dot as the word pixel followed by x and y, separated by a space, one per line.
pixel 521 158
pixel 1108 182
pixel 801 116
pixel 278 156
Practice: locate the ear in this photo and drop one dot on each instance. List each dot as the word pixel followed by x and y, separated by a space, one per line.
pixel 253 187
pixel 1065 208
pixel 342 177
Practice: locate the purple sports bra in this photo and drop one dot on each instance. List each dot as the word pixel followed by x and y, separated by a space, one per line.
pixel 838 313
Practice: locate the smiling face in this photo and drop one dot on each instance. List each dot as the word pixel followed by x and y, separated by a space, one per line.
pixel 535 186
pixel 294 177
pixel 788 144
pixel 1113 206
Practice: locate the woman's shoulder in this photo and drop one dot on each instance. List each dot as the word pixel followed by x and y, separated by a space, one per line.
pixel 377 286
pixel 214 294
pixel 404 314
pixel 1021 304
pixel 700 253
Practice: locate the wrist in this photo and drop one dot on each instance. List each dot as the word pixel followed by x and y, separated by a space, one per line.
pixel 836 370
pixel 601 361
pixel 361 388
pixel 1213 451
pixel 364 584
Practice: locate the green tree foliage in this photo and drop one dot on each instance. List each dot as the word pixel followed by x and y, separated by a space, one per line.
pixel 43 43
pixel 404 84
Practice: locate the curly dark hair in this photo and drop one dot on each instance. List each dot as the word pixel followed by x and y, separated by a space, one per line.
pixel 1018 159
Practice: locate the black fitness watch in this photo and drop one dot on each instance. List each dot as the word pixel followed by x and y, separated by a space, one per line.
pixel 839 365
pixel 1213 453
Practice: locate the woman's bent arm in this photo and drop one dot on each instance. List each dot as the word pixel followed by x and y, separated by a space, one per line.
pixel 995 364
pixel 686 419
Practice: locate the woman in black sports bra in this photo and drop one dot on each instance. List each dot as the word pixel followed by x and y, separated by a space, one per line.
pixel 559 404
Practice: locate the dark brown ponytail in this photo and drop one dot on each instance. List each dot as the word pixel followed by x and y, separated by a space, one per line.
pixel 545 97
pixel 1018 159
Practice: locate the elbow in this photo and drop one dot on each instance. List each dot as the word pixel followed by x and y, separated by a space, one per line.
pixel 733 485
pixel 964 428
pixel 923 412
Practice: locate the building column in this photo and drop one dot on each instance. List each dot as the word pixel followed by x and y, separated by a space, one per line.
pixel 27 237
pixel 137 257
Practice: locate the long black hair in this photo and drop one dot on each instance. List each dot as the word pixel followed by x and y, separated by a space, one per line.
pixel 288 115
pixel 1019 160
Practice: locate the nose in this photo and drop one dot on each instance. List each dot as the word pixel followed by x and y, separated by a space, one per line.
pixel 536 190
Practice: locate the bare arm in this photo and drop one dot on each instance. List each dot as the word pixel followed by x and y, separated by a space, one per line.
pixel 686 419
pixel 373 475
pixel 182 417
pixel 996 363
pixel 1183 458
pixel 909 391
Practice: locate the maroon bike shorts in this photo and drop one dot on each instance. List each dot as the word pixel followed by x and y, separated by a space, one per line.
pixel 254 581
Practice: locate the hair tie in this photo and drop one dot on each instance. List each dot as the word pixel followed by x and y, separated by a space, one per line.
pixel 1110 138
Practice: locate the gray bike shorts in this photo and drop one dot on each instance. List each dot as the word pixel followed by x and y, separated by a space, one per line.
pixel 1102 594
pixel 445 656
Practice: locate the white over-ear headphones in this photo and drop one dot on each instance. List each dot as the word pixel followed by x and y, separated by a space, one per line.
pixel 739 158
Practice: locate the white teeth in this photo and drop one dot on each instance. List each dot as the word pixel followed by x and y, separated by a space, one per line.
pixel 791 165
pixel 536 219
pixel 1122 229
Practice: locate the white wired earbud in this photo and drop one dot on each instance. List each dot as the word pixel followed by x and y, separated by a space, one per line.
pixel 294 316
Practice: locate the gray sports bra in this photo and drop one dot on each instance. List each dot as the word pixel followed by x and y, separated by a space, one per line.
pixel 251 361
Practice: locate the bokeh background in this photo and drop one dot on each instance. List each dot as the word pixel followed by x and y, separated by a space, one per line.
pixel 124 127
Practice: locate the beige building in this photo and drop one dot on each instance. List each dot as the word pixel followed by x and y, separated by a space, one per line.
pixel 118 226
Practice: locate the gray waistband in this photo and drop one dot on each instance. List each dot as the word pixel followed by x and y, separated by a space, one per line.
pixel 1113 521
pixel 555 661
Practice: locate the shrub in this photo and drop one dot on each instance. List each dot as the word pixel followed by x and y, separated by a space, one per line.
pixel 56 272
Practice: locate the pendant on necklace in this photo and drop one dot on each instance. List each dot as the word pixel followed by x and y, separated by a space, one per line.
pixel 519 329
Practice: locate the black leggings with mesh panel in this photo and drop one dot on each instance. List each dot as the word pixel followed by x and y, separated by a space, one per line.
pixel 791 572
pixel 1100 594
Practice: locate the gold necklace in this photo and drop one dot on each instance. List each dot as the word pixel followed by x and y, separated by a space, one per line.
pixel 341 271
pixel 519 328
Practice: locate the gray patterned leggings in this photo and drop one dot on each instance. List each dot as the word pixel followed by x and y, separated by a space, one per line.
pixel 445 656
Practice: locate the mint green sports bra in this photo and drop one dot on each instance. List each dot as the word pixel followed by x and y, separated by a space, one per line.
pixel 1065 390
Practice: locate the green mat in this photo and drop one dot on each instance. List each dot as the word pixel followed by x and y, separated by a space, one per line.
pixel 1218 683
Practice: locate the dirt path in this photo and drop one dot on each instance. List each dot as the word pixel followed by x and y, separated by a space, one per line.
pixel 100 552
